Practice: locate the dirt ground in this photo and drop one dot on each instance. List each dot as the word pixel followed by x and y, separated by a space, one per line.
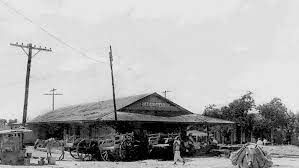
pixel 288 158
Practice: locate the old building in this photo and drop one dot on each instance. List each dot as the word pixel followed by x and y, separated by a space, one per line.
pixel 147 112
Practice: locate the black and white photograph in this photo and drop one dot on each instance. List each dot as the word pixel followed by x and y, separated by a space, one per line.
pixel 149 83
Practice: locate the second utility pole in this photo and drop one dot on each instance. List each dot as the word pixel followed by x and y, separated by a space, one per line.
pixel 29 54
pixel 113 90
pixel 53 94
pixel 165 92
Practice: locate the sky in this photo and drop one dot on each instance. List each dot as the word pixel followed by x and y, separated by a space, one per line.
pixel 204 51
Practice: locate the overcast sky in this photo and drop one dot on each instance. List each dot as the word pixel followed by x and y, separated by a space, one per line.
pixel 204 51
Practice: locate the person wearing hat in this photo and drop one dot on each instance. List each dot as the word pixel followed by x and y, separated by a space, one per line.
pixel 176 148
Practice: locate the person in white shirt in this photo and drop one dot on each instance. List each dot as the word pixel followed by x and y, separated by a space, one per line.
pixel 177 153
pixel 259 142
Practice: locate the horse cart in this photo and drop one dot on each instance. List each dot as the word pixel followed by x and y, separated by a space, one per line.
pixel 110 147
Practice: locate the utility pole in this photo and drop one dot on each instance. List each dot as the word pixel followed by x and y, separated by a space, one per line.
pixel 30 48
pixel 53 94
pixel 113 90
pixel 165 92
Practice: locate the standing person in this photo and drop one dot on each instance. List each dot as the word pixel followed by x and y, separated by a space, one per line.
pixel 177 153
pixel 265 141
pixel 144 144
pixel 259 142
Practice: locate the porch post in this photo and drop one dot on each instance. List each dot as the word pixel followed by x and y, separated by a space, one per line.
pixel 208 134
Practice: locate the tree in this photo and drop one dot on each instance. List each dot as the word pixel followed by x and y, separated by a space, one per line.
pixel 260 129
pixel 297 122
pixel 224 130
pixel 237 111
pixel 290 126
pixel 274 115
pixel 212 111
pixel 3 122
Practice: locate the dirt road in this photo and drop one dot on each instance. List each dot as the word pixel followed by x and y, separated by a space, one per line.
pixel 209 162
pixel 191 163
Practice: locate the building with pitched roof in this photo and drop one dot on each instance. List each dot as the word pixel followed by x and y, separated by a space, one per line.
pixel 150 112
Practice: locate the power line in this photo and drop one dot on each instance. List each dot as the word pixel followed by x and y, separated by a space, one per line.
pixel 49 33
pixel 81 53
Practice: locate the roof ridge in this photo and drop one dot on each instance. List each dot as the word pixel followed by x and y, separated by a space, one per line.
pixel 91 103
pixel 77 110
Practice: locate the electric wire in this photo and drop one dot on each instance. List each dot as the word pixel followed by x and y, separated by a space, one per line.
pixel 5 4
pixel 49 33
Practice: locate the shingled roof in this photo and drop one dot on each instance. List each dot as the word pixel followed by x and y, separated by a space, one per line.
pixel 86 112
pixel 103 111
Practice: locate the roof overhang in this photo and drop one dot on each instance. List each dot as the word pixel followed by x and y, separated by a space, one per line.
pixel 134 117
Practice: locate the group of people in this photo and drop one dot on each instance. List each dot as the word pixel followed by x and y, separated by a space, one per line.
pixel 262 142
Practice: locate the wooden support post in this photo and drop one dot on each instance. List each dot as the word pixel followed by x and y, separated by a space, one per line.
pixel 208 134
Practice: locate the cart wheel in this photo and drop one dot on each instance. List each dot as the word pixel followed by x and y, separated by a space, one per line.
pixel 73 153
pixel 82 150
pixel 125 150
pixel 122 152
pixel 104 155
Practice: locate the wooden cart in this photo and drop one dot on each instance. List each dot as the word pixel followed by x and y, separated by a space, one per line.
pixel 109 147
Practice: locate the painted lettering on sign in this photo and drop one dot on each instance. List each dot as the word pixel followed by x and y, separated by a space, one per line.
pixel 154 104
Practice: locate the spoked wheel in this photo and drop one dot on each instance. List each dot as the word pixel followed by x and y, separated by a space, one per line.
pixel 122 152
pixel 125 151
pixel 73 153
pixel 82 150
pixel 105 155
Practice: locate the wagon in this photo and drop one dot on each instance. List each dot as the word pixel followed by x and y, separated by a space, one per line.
pixel 109 147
